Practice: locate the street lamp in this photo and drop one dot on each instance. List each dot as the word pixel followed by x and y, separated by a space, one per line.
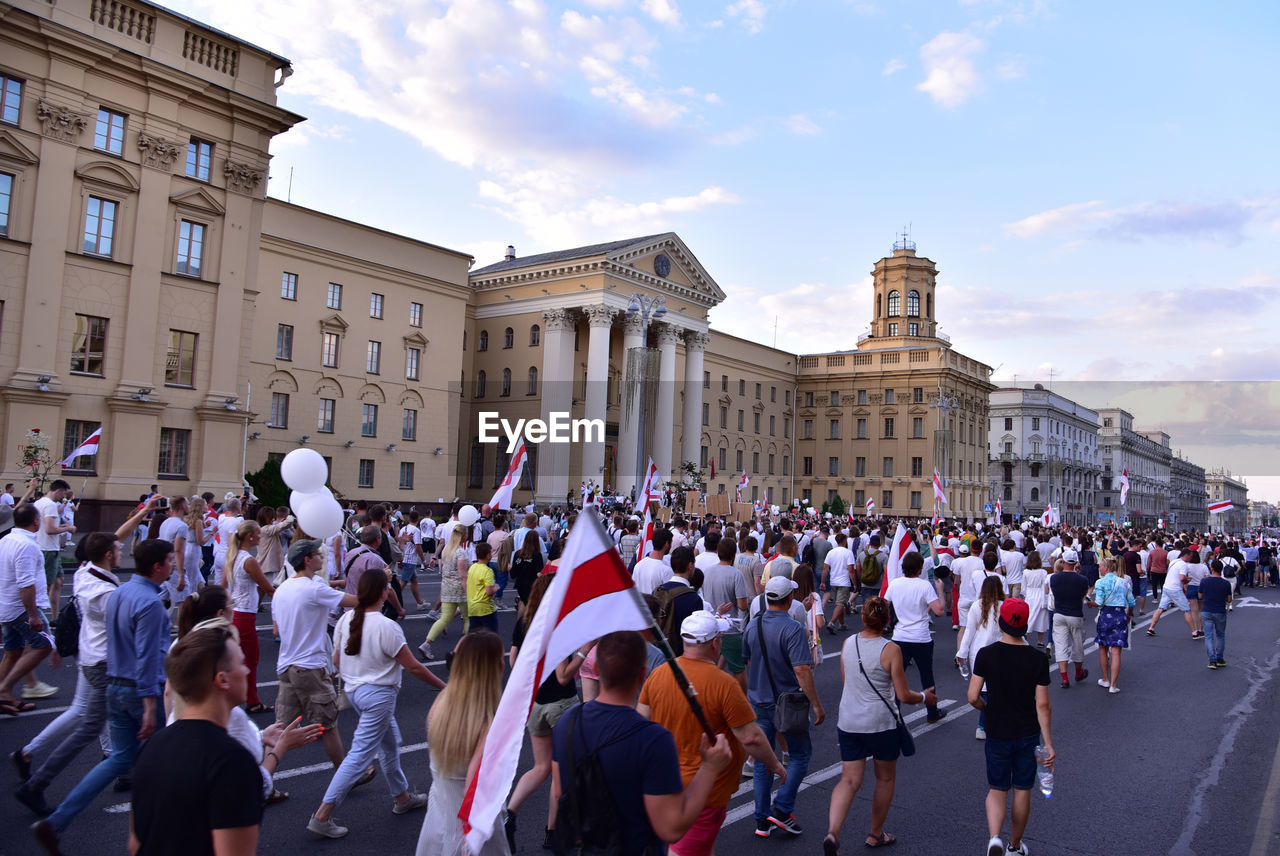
pixel 647 309
pixel 944 403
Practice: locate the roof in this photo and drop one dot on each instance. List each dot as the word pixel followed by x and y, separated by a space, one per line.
pixel 563 255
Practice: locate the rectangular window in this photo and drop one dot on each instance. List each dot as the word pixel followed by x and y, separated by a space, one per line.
pixel 807 466
pixel 706 380
pixel 1008 423
pixel 915 499
pixel 917 426
pixel 737 461
pixel 771 425
pixel 742 387
pixel 413 358
pixel 808 399
pixel 365 478
pixel 860 499
pixel 755 462
pixel 333 299
pixel 373 357
pixel 10 99
pixel 835 399
pixel 329 350
pixel 835 430
pixel 75 433
pixel 89 345
pixel 406 475
pixel 704 457
pixel 786 465
pixel 886 500
pixel 771 457
pixel 279 410
pixel 368 420
pixel 787 398
pixel 888 427
pixel 324 420
pixel 860 467
pixel 724 417
pixel 758 389
pixel 174 443
pixel 888 468
pixel 1035 424
pixel 706 415
pixel 786 427
pixel 773 395
pixel 190 248
pixel 199 158
pixel 755 422
pixel 6 197
pixel 284 341
pixel 833 466
pixel 917 395
pixel 724 383
pixel 415 314
pixel 375 305
pixel 862 429
pixel 108 133
pixel 289 286
pixel 917 467
pixel 99 226
pixel 862 398
pixel 889 397
pixel 409 425
pixel 740 416
pixel 180 362
pixel 724 453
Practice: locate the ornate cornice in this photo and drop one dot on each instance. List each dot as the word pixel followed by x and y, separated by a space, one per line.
pixel 668 335
pixel 560 320
pixel 242 178
pixel 695 341
pixel 157 152
pixel 60 123
pixel 599 316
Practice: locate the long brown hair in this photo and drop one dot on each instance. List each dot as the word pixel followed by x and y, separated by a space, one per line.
pixel 466 707
pixel 802 576
pixel 539 588
pixel 990 595
pixel 208 602
pixel 373 583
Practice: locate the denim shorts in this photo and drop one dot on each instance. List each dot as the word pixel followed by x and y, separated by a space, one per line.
pixel 1139 586
pixel 1011 762
pixel 881 745
pixel 408 571
pixel 19 635
pixel 1193 594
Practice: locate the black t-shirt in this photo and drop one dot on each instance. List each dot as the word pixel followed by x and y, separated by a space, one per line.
pixel 1069 589
pixel 551 688
pixel 189 779
pixel 524 572
pixel 1012 673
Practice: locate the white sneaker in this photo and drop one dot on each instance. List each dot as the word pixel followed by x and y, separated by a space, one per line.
pixel 995 847
pixel 415 801
pixel 1114 690
pixel 434 615
pixel 980 733
pixel 326 828
pixel 425 648
pixel 1102 682
pixel 422 607
pixel 1021 850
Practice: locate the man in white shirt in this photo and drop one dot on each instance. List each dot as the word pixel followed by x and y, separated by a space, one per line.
pixel 528 529
pixel 6 498
pixel 1014 563
pixel 835 579
pixel 708 557
pixel 913 599
pixel 428 527
pixel 49 536
pixel 300 609
pixel 228 521
pixel 653 570
pixel 24 600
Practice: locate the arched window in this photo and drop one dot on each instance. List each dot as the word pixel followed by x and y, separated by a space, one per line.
pixel 533 380
pixel 895 301
pixel 1008 493
pixel 480 385
pixel 928 306
pixel 508 338
pixel 484 341
pixel 535 336
pixel 506 382
pixel 913 304
pixel 1035 494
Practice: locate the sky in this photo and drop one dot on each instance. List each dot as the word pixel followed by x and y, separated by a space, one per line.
pixel 1096 181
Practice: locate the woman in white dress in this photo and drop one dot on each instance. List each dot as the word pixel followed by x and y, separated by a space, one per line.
pixel 456 730
pixel 1035 589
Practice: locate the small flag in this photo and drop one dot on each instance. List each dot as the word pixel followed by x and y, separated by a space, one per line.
pixel 713 469
pixel 1220 507
pixel 902 545
pixel 999 511
pixel 938 495
pixel 1124 486
pixel 88 447
pixel 871 503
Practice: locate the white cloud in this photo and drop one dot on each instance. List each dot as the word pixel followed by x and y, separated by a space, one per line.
pixel 948 60
pixel 1012 69
pixel 662 11
pixel 1068 217
pixel 804 312
pixel 867 9
pixel 893 66
pixel 1222 223
pixel 750 12
pixel 803 125
pixel 733 138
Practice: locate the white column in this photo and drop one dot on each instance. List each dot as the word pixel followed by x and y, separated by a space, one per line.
pixel 600 319
pixel 695 347
pixel 557 396
pixel 628 423
pixel 664 420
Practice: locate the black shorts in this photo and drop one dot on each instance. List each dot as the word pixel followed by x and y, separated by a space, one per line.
pixel 881 745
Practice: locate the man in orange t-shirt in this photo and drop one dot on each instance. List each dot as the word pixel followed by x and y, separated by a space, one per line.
pixel 727 710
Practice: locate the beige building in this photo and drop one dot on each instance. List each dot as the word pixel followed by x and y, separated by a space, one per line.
pixel 1222 485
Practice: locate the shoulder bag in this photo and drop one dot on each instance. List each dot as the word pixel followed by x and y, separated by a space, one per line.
pixel 791 709
pixel 906 743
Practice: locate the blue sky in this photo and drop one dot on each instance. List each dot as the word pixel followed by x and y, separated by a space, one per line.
pixel 1096 180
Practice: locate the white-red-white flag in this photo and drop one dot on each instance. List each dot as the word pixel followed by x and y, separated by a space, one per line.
pixel 592 595
pixel 1220 507
pixel 1046 519
pixel 88 447
pixel 648 493
pixel 1124 486
pixel 902 545
pixel 502 496
pixel 938 495
pixel 871 503
pixel 742 485
pixel 999 511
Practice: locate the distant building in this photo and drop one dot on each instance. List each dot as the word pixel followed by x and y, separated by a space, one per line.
pixel 1188 498
pixel 1222 485
pixel 1146 457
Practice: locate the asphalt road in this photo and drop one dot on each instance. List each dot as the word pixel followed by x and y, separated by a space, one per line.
pixel 1184 760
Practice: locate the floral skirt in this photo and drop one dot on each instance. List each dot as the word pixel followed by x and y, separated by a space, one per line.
pixel 1113 627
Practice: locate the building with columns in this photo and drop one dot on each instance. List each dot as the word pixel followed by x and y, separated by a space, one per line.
pixel 1188 498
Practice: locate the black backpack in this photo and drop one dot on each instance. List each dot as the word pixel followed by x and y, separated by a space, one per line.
pixel 586 821
pixel 809 556
pixel 66 636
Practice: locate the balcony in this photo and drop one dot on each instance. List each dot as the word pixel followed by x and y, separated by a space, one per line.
pixel 1008 456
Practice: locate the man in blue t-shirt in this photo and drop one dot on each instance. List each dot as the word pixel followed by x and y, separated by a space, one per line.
pixel 1215 595
pixel 642 768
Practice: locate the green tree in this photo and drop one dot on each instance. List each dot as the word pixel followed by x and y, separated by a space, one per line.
pixel 267 484
pixel 837 507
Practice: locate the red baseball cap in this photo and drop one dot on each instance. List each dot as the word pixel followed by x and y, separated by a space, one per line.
pixel 1014 615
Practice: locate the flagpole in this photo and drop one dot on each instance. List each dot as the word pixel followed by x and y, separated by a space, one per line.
pixel 690 693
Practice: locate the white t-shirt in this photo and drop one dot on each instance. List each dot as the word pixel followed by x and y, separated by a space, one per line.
pixel 47 508
pixel 911 597
pixel 972 585
pixel 6 498
pixel 225 529
pixel 380 641
pixel 413 536
pixel 839 559
pixel 428 528
pixel 299 608
pixel 1177 570
pixel 706 561
pixel 649 573
pixel 963 568
pixel 1014 564
pixel 1045 549
pixel 1018 538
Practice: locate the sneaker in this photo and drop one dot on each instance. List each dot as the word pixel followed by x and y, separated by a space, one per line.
pixel 425 648
pixel 1199 634
pixel 547 839
pixel 1020 850
pixel 33 799
pixel 830 847
pixel 995 847
pixel 415 801
pixel 433 615
pixel 1222 664
pixel 955 627
pixel 980 733
pixel 325 829
pixel 1081 674
pixel 40 690
pixel 1066 684
pixel 21 764
pixel 935 716
pixel 1113 690
pixel 1150 632
pixel 422 607
pixel 1212 664
pixel 1103 683
pixel 763 828
pixel 749 769
pixel 786 822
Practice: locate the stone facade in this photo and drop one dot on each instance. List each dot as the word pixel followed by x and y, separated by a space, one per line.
pixel 1147 458
pixel 1222 485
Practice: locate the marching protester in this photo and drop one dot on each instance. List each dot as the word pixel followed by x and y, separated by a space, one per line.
pixel 1069 589
pixel 243 578
pixel 983 630
pixel 1174 594
pixel 1115 599
pixel 1215 599
pixel 914 600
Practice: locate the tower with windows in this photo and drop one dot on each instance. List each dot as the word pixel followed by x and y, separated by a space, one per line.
pixel 904 286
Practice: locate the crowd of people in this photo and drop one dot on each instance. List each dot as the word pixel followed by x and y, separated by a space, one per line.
pixel 167 661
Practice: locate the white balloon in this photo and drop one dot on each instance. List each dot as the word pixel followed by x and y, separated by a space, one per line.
pixel 298 498
pixel 320 515
pixel 467 515
pixel 304 470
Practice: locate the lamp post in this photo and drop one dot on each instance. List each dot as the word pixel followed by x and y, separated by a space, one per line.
pixel 944 403
pixel 647 309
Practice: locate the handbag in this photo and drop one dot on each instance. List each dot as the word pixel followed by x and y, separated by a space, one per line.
pixel 906 743
pixel 791 709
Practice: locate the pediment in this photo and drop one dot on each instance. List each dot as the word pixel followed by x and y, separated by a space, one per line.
pixel 918 410
pixel 333 324
pixel 328 387
pixel 725 400
pixel 861 411
pixel 415 340
pixel 834 411
pixel 12 149
pixel 108 173
pixel 200 199
pixel 683 273
pixel 808 413
pixel 758 407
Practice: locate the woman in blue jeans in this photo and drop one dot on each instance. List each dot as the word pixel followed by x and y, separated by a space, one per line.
pixel 369 650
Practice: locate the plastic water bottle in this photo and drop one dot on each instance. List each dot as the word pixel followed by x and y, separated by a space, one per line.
pixel 1043 773
pixel 964 669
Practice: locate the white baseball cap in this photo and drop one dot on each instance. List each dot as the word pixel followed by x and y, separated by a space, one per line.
pixel 703 626
pixel 1070 557
pixel 779 588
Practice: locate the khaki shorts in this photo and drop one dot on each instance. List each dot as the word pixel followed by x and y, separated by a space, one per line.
pixel 543 717
pixel 840 594
pixel 307 693
pixel 52 565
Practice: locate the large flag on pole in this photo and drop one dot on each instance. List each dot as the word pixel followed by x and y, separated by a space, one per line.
pixel 938 495
pixel 742 485
pixel 502 496
pixel 871 503
pixel 88 447
pixel 1124 486
pixel 902 545
pixel 999 511
pixel 588 598
pixel 646 496
pixel 1046 519
pixel 1219 507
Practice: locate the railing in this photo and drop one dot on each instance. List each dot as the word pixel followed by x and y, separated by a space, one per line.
pixel 862 337
pixel 123 19
pixel 215 55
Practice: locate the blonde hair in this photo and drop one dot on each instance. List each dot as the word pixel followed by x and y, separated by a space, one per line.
pixel 195 516
pixel 465 709
pixel 243 531
pixel 1111 566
